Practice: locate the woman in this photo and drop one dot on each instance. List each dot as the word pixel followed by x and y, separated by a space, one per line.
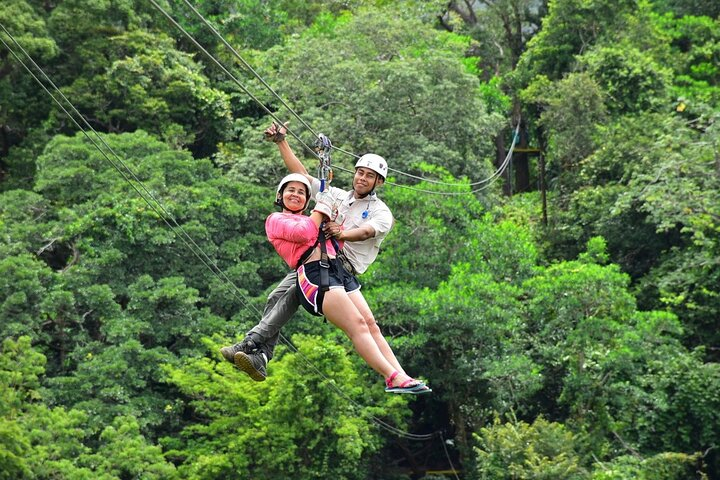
pixel 297 240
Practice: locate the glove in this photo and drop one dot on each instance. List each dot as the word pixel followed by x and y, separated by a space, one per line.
pixel 329 210
pixel 325 197
pixel 276 132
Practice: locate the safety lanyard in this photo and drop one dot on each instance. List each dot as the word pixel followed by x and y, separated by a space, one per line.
pixel 324 259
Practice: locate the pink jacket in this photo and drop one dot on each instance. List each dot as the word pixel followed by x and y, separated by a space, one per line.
pixel 292 234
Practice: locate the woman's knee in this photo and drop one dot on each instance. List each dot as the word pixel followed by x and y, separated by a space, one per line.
pixel 357 325
pixel 371 323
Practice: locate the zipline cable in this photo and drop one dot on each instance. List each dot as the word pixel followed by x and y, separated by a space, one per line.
pixel 450 184
pixel 239 57
pixel 222 67
pixel 491 179
pixel 189 242
pixel 296 115
pixel 247 65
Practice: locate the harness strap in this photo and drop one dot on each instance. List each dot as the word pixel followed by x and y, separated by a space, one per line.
pixel 342 259
pixel 324 260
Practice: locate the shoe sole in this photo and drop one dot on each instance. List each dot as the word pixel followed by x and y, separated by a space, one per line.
pixel 227 354
pixel 418 389
pixel 242 361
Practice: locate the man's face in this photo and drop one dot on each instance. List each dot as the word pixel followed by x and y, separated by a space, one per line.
pixel 365 180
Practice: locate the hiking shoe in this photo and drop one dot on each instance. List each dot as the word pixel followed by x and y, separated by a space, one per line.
pixel 247 346
pixel 253 364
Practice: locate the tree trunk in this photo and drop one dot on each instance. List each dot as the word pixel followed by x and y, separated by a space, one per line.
pixel 543 184
pixel 521 162
pixel 457 419
pixel 4 151
pixel 500 153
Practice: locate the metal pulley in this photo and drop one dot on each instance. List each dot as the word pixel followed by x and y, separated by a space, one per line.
pixel 323 146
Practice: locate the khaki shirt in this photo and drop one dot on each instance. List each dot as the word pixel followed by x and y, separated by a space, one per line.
pixel 355 212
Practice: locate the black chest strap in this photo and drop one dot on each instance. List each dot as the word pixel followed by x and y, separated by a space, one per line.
pixel 324 260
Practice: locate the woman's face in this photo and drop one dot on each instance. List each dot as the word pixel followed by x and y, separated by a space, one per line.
pixel 295 196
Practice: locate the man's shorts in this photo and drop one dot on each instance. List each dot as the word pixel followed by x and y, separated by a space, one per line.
pixel 308 284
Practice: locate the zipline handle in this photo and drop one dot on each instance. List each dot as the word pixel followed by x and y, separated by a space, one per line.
pixel 323 146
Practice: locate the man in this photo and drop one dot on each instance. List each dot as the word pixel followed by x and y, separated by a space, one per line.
pixel 362 222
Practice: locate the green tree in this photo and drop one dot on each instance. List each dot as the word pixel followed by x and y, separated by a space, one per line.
pixel 36 441
pixel 501 28
pixel 571 109
pixel 370 80
pixel 630 79
pixel 116 235
pixel 18 384
pixel 148 84
pixel 518 450
pixel 459 329
pixel 573 26
pixel 125 453
pixel 294 424
pixel 575 312
pixel 693 56
pixel 22 103
pixel 664 466
pixel 118 374
pixel 685 8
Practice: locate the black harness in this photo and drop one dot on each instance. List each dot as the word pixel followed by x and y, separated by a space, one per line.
pixel 340 259
pixel 324 260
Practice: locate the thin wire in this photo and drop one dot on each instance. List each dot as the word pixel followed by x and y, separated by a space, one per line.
pixel 438 182
pixel 442 440
pixel 190 244
pixel 239 57
pixel 247 65
pixel 228 73
pixel 491 179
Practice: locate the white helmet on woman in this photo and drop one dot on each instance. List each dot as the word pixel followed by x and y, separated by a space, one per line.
pixel 293 177
pixel 376 163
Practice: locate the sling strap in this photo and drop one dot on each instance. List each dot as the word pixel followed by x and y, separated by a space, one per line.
pixel 342 259
pixel 324 259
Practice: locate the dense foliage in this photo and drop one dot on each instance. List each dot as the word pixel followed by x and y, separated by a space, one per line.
pixel 568 331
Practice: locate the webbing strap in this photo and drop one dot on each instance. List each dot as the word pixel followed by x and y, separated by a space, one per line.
pixel 324 260
pixel 341 259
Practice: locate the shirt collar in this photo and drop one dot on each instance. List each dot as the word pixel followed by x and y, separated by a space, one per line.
pixel 370 198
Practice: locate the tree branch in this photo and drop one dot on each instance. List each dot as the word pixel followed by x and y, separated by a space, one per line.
pixel 76 257
pixel 627 447
pixel 49 245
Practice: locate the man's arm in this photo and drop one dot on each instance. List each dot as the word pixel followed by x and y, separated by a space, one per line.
pixel 358 234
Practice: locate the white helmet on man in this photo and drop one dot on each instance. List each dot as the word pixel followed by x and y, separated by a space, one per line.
pixel 293 177
pixel 374 162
